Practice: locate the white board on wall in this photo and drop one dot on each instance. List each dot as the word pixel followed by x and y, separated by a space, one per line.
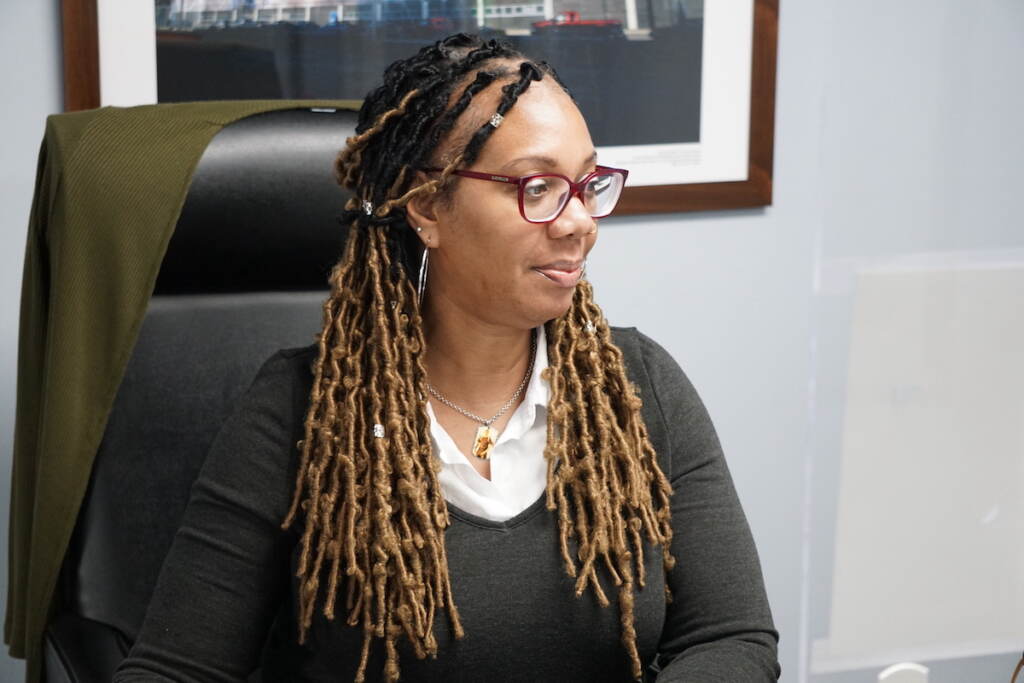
pixel 929 549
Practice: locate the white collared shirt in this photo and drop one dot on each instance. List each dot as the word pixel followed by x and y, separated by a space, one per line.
pixel 518 469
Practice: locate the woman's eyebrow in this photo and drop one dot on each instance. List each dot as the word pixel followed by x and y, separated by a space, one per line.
pixel 548 161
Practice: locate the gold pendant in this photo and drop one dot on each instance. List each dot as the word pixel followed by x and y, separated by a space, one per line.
pixel 486 437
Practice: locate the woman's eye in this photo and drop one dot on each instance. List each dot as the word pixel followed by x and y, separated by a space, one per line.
pixel 599 184
pixel 536 188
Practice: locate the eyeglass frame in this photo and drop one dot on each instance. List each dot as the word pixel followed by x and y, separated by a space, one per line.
pixel 575 188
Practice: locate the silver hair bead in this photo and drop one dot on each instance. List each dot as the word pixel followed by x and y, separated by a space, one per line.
pixel 378 431
pixel 367 207
pixel 497 119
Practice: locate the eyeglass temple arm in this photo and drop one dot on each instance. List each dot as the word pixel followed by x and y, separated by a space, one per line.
pixel 475 174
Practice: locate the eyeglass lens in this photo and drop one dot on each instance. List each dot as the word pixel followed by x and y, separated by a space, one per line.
pixel 545 196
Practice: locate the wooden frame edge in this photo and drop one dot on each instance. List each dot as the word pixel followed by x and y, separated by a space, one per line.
pixel 80 36
pixel 757 189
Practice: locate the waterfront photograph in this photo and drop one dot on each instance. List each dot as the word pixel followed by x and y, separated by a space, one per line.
pixel 633 66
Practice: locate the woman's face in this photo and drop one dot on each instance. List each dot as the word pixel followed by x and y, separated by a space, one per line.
pixel 486 261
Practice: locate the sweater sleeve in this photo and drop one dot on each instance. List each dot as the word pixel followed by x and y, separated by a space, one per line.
pixel 224 576
pixel 718 627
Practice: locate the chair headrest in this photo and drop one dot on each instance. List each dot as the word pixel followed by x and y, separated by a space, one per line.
pixel 261 211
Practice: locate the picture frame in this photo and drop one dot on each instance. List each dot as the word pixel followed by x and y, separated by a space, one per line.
pixel 751 140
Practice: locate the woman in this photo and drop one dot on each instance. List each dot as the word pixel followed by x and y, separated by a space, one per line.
pixel 459 478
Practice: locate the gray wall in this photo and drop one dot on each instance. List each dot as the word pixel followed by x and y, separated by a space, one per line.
pixel 897 132
pixel 31 85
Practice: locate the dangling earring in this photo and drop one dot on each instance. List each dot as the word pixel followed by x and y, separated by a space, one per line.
pixel 422 284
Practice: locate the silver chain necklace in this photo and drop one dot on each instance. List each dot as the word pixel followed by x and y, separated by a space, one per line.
pixel 487 436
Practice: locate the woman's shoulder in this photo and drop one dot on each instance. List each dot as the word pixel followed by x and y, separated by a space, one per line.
pixel 295 355
pixel 282 383
pixel 294 362
pixel 643 354
pixel 673 411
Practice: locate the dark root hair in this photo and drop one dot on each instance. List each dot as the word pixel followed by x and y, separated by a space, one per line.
pixel 374 513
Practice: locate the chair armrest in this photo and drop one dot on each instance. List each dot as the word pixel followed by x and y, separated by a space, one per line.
pixel 80 650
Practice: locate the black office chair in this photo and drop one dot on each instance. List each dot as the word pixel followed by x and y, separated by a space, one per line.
pixel 245 274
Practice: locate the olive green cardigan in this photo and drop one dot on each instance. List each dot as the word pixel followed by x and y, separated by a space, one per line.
pixel 110 185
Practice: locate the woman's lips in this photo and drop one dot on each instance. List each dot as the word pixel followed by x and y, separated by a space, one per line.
pixel 563 273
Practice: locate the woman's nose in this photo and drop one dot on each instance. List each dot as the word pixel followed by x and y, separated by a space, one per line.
pixel 574 221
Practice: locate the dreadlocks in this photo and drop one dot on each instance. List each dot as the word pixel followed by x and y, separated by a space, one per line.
pixel 367 483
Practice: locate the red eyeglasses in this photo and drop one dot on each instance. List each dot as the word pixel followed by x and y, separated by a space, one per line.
pixel 543 196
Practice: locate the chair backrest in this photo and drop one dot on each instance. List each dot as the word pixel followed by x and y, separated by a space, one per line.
pixel 244 275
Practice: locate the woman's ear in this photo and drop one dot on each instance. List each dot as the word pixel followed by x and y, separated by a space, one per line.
pixel 421 211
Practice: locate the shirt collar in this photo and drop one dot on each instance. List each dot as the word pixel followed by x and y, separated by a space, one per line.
pixel 535 401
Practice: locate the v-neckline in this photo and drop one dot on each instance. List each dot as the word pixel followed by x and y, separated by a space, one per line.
pixel 506 525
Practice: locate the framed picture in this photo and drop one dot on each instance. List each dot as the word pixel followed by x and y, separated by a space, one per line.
pixel 680 92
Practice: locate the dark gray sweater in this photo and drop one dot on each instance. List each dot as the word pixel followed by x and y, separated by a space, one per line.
pixel 227 591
